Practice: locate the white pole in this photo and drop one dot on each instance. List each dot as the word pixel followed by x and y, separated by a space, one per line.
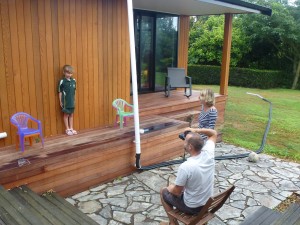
pixel 134 82
pixel 3 135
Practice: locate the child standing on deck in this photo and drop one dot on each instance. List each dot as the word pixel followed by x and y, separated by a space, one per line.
pixel 66 90
pixel 209 114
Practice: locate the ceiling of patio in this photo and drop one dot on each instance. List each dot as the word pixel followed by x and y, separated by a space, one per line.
pixel 191 7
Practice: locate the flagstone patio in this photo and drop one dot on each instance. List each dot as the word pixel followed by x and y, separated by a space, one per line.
pixel 135 199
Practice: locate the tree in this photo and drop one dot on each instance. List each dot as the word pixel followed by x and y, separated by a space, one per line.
pixel 281 31
pixel 206 41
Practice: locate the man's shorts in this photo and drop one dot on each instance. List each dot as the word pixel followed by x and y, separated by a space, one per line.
pixel 68 110
pixel 178 202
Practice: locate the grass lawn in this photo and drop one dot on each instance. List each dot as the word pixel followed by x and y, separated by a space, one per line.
pixel 246 117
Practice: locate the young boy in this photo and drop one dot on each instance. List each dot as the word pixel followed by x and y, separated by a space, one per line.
pixel 66 90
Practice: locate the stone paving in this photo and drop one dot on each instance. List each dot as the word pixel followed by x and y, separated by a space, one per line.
pixel 135 199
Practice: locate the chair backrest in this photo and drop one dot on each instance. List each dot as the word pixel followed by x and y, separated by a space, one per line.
pixel 119 104
pixel 206 213
pixel 177 77
pixel 215 202
pixel 20 120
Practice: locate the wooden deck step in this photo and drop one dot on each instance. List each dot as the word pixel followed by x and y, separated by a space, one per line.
pixel 68 208
pixel 52 209
pixel 12 212
pixel 34 201
pixel 262 216
pixel 291 216
pixel 182 114
pixel 22 206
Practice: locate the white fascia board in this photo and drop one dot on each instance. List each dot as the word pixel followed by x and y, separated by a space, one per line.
pixel 228 5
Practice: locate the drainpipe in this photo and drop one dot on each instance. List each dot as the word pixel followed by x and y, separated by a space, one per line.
pixel 134 84
pixel 3 135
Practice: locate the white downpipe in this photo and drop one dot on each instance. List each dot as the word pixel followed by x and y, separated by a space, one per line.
pixel 3 135
pixel 134 78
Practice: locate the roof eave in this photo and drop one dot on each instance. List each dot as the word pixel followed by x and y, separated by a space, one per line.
pixel 263 10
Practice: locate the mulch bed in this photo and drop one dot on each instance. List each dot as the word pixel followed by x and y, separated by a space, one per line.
pixel 294 198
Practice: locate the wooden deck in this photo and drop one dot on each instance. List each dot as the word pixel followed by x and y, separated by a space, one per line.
pixel 70 164
pixel 21 206
pixel 266 216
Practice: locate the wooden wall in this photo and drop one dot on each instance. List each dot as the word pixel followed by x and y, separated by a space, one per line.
pixel 37 37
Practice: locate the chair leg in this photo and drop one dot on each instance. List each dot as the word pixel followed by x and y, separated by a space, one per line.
pixel 17 142
pixel 166 84
pixel 125 121
pixel 175 221
pixel 121 122
pixel 190 92
pixel 42 139
pixel 22 140
pixel 116 122
pixel 30 141
pixel 167 92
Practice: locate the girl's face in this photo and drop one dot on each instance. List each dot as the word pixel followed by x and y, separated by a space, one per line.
pixel 201 98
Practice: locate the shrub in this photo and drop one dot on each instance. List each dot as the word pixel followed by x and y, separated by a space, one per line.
pixel 243 77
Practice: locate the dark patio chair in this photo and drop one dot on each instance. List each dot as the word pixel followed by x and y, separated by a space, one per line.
pixel 176 78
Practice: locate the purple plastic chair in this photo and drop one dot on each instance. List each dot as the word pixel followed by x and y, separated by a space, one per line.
pixel 20 120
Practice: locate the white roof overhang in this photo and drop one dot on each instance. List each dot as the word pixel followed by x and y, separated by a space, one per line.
pixel 200 7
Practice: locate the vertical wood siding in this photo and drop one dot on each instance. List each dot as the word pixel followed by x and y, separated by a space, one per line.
pixel 38 37
pixel 183 41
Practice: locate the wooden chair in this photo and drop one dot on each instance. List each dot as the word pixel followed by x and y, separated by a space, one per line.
pixel 177 79
pixel 206 213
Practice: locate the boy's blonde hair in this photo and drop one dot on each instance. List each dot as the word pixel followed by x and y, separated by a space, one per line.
pixel 68 68
pixel 208 96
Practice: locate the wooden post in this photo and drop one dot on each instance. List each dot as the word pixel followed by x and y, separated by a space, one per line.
pixel 226 55
pixel 183 41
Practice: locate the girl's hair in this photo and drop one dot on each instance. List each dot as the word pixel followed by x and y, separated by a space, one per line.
pixel 68 68
pixel 208 96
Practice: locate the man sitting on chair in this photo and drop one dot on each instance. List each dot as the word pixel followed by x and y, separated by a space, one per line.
pixel 195 178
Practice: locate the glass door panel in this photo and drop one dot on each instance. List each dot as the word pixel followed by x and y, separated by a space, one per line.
pixel 144 48
pixel 166 42
pixel 156 42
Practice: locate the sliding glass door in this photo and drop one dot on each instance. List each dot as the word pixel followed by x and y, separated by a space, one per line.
pixel 156 48
pixel 145 29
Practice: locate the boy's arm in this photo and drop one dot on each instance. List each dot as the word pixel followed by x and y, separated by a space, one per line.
pixel 60 89
pixel 59 96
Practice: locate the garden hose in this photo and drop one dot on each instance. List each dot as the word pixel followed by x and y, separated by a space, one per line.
pixel 236 156
pixel 263 141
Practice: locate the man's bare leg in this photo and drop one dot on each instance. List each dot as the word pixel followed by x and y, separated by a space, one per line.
pixel 167 208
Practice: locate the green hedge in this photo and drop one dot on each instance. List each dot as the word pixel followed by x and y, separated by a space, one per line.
pixel 252 78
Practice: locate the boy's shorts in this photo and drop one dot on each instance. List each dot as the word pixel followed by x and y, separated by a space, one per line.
pixel 68 110
pixel 178 202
